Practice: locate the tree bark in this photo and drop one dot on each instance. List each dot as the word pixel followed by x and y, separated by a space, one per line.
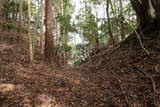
pixel 147 11
pixel 111 38
pixel 20 21
pixel 49 41
pixel 29 33
pixel 42 31
pixel 148 16
pixel 122 27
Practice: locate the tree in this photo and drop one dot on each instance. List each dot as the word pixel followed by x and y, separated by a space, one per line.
pixel 29 33
pixel 42 24
pixel 111 38
pixel 147 11
pixel 20 20
pixel 122 28
pixel 49 53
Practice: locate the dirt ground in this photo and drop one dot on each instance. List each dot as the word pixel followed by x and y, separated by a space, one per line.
pixel 119 76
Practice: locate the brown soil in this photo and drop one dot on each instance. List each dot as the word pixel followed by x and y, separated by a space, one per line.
pixel 119 76
pixel 126 74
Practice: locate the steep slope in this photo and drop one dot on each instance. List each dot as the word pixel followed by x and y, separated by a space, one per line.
pixel 128 75
pixel 123 75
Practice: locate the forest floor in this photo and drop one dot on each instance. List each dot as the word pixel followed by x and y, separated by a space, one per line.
pixel 35 85
pixel 119 76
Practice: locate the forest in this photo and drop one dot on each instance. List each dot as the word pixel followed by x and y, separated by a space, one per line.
pixel 79 53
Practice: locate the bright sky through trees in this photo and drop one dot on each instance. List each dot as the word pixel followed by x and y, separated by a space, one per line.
pixel 78 4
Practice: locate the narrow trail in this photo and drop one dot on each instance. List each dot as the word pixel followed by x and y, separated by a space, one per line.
pixel 35 85
pixel 127 78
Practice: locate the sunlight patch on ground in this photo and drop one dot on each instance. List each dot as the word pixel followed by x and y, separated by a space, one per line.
pixel 75 81
pixel 24 75
pixel 47 101
pixel 9 87
pixel 6 87
pixel 63 89
pixel 59 75
pixel 2 79
pixel 5 47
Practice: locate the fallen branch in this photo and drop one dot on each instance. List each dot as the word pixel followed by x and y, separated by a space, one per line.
pixel 101 58
pixel 153 82
pixel 139 38
pixel 128 104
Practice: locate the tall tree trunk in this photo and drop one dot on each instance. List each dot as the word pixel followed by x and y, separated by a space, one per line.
pixel 49 41
pixel 29 33
pixel 121 20
pixel 20 21
pixel 62 32
pixel 111 38
pixel 36 27
pixel 42 31
pixel 147 11
pixel 97 41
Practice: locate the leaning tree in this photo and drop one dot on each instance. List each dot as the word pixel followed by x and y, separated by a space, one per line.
pixel 147 11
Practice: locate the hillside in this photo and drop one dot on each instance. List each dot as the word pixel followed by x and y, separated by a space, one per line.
pixel 128 74
pixel 119 76
pixel 79 53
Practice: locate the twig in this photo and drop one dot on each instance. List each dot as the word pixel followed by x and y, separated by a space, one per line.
pixel 124 94
pixel 129 20
pixel 139 38
pixel 153 82
pixel 101 58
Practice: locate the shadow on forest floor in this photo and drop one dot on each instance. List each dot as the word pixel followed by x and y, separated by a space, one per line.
pixel 113 77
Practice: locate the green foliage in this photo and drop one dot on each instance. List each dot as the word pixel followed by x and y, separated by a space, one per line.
pixel 92 29
pixel 9 7
pixel 10 10
pixel 9 26
pixel 79 53
pixel 66 48
pixel 13 27
pixel 96 2
pixel 83 49
pixel 77 62
pixel 65 23
pixel 88 27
